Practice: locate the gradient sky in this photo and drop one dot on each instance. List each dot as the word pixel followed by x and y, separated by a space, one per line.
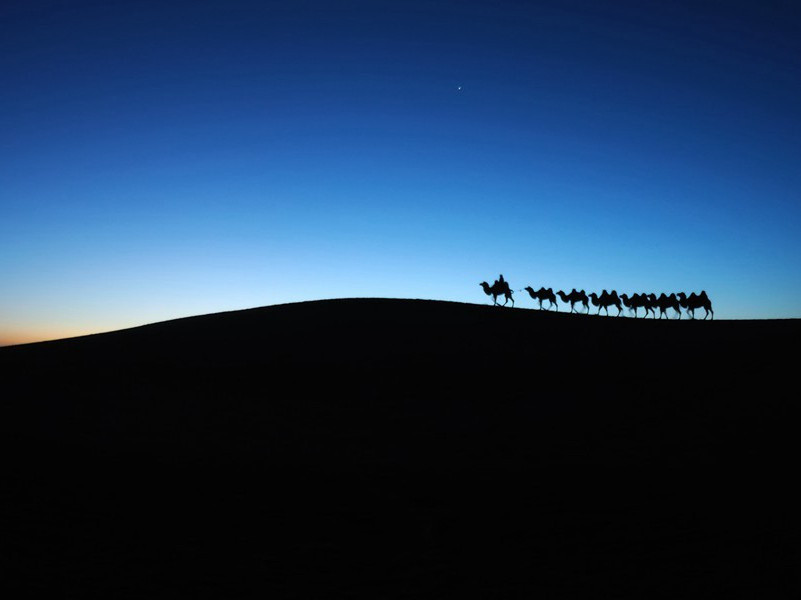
pixel 166 159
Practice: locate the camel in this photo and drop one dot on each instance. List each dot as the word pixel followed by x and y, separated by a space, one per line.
pixel 696 301
pixel 664 302
pixel 635 302
pixel 496 290
pixel 605 300
pixel 543 294
pixel 574 297
pixel 650 303
pixel 632 303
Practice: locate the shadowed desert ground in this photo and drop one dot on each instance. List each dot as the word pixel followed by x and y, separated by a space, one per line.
pixel 403 449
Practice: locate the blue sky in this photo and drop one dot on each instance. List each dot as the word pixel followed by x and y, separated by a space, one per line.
pixel 165 159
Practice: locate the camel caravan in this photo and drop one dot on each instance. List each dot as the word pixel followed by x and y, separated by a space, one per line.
pixel 649 303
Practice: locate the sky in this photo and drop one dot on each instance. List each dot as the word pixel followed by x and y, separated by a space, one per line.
pixel 166 159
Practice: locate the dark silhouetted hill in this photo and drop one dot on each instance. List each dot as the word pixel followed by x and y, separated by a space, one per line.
pixel 404 448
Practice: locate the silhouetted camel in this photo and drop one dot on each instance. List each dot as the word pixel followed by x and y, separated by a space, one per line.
pixel 632 303
pixel 496 290
pixel 696 301
pixel 574 297
pixel 605 300
pixel 543 294
pixel 635 302
pixel 615 301
pixel 665 302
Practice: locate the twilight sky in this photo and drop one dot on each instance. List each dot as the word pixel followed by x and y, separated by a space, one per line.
pixel 166 159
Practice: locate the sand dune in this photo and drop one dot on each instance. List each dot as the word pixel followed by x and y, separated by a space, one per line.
pixel 404 448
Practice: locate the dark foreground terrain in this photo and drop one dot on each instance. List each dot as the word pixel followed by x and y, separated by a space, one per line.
pixel 404 449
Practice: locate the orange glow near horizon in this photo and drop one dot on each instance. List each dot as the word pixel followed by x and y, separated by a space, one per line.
pixel 28 335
